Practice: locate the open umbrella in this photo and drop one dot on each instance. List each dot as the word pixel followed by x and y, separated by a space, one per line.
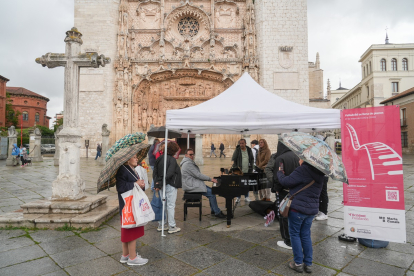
pixel 159 132
pixel 107 177
pixel 124 142
pixel 317 153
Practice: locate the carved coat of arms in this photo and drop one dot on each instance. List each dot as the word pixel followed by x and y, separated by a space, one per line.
pixel 286 56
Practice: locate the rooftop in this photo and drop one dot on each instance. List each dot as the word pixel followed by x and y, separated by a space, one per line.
pixel 388 46
pixel 400 95
pixel 4 79
pixel 25 92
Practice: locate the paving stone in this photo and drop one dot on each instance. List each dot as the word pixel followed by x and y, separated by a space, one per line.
pixel 152 236
pixel 64 244
pixel 319 235
pixel 231 246
pixel 263 257
pixel 35 267
pixel 283 269
pixel 409 273
pixel 401 247
pixel 234 267
pixel 77 256
pixel 255 235
pixel 128 273
pixel 174 245
pixel 20 255
pixel 100 267
pixel 333 244
pixel 201 257
pixel 337 259
pixel 59 272
pixel 343 274
pixel 362 267
pixel 112 246
pixel 9 244
pixel 388 257
pixel 167 266
pixel 103 234
pixel 203 236
pixel 49 235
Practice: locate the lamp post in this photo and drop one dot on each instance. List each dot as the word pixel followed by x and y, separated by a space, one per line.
pixel 21 131
pixel 86 146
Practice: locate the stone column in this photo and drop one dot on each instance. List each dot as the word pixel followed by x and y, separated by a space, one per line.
pixel 199 150
pixel 105 143
pixel 3 147
pixel 35 144
pixel 12 140
pixel 330 140
pixel 247 137
pixel 57 151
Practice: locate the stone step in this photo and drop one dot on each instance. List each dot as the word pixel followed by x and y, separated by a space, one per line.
pixel 47 206
pixel 91 219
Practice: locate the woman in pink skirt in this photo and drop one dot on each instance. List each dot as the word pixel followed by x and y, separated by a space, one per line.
pixel 126 177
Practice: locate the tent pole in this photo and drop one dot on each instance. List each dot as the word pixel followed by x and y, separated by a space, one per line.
pixel 188 139
pixel 163 181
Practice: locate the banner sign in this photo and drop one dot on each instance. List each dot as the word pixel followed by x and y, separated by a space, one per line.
pixel 371 152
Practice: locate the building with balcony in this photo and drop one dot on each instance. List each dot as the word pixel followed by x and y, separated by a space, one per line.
pixel 386 70
pixel 32 106
pixel 3 99
pixel 406 102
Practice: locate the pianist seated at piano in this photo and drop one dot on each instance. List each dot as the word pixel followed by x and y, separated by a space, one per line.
pixel 193 182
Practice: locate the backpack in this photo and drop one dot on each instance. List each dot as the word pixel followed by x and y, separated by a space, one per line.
pixel 15 151
pixel 255 154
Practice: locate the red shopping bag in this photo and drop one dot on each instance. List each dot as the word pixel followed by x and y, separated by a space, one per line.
pixel 128 217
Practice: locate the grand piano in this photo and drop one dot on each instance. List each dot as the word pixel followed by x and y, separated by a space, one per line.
pixel 231 186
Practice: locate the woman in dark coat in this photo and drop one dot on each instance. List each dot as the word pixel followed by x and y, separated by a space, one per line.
pixel 303 208
pixel 126 178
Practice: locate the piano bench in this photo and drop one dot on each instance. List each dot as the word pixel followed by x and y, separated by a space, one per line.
pixel 192 200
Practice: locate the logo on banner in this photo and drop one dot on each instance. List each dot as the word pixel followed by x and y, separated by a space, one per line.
pixel 352 229
pixel 380 155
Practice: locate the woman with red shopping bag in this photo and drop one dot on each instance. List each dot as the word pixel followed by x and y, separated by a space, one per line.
pixel 126 178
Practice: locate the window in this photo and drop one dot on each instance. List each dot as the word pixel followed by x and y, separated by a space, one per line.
pixel 25 116
pixel 403 117
pixel 405 64
pixel 25 102
pixel 404 139
pixel 38 103
pixel 395 87
pixel 37 117
pixel 367 91
pixel 370 67
pixel 383 65
pixel 394 64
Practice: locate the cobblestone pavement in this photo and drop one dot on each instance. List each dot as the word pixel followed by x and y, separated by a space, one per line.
pixel 202 248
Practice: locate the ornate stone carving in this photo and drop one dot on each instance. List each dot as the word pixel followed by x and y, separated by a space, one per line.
pixel 149 15
pixel 286 56
pixel 11 131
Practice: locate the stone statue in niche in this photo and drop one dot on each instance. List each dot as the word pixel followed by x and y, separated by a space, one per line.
pixel 173 90
pixel 144 118
pixel 119 112
pixel 208 90
pixel 155 117
pixel 167 89
pixel 155 99
pixel 119 90
pixel 105 130
pixel 200 90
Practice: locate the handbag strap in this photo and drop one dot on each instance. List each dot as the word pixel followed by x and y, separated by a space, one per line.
pixel 307 186
pixel 132 173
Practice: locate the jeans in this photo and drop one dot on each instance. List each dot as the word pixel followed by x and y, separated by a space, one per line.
pixel 300 237
pixel 171 197
pixel 98 154
pixel 212 152
pixel 213 201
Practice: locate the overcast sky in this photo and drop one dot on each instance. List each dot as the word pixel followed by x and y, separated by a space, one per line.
pixel 340 30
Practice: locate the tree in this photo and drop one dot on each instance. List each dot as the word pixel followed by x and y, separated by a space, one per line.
pixel 12 116
pixel 58 124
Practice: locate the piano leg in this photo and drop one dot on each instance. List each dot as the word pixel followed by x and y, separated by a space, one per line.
pixel 229 207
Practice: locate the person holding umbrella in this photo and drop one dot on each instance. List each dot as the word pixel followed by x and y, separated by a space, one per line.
pixel 305 185
pixel 121 160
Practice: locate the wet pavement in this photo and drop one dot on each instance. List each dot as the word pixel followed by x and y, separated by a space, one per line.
pixel 201 248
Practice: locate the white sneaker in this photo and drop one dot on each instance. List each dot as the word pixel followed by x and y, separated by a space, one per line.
pixel 159 229
pixel 321 216
pixel 137 261
pixel 247 199
pixel 237 199
pixel 174 230
pixel 124 260
pixel 284 245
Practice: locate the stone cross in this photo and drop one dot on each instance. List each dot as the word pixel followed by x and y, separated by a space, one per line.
pixel 69 185
pixel 12 140
pixel 56 156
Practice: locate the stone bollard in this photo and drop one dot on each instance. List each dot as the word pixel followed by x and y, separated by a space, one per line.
pixel 57 149
pixel 35 144
pixel 105 143
pixel 11 160
pixel 330 140
pixel 199 150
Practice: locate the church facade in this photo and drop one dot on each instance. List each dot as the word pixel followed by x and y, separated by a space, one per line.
pixel 172 54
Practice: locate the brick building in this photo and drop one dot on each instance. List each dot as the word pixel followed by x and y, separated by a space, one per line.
pixel 3 82
pixel 32 106
pixel 406 102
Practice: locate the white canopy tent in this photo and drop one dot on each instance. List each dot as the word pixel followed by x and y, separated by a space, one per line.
pixel 248 108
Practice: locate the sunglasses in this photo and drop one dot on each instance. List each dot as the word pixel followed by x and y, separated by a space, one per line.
pixel 191 154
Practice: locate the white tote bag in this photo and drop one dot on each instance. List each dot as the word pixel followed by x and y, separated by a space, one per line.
pixel 142 207
pixel 128 212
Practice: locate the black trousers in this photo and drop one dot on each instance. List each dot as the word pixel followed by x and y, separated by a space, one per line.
pixel 22 159
pixel 222 153
pixel 283 222
pixel 323 198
